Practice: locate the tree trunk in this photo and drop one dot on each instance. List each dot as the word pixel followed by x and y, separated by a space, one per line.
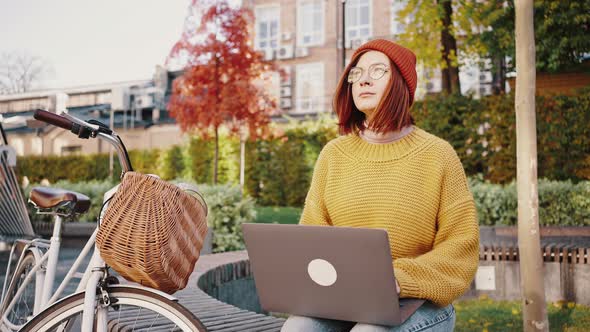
pixel 217 93
pixel 498 75
pixel 242 163
pixel 216 161
pixel 531 263
pixel 450 74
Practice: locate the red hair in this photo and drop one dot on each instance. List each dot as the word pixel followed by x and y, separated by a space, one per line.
pixel 391 114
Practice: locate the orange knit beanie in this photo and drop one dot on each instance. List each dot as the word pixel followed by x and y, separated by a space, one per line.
pixel 404 59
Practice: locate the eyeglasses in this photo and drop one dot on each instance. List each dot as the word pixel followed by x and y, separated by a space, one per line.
pixel 376 71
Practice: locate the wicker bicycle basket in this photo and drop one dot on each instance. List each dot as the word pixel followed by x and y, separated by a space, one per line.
pixel 152 232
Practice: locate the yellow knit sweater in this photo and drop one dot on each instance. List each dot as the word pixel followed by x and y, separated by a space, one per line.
pixel 416 189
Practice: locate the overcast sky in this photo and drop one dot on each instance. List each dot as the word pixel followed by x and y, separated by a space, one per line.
pixel 93 41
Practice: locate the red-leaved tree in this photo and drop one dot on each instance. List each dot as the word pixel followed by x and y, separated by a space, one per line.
pixel 223 80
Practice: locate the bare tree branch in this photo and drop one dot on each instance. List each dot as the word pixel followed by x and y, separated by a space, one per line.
pixel 21 72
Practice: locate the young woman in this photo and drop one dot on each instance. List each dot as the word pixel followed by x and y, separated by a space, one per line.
pixel 385 172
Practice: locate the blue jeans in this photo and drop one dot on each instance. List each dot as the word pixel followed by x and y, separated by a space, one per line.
pixel 428 318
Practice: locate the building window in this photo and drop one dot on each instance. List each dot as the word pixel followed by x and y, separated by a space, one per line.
pixel 310 88
pixel 397 25
pixel 310 23
pixel 267 27
pixel 71 150
pixel 358 19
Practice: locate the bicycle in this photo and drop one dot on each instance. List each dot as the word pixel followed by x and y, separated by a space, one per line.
pixel 100 302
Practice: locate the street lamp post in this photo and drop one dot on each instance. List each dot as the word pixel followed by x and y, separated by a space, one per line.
pixel 343 34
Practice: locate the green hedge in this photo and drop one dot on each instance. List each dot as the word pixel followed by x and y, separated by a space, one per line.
pixel 561 203
pixel 84 167
pixel 484 133
pixel 279 167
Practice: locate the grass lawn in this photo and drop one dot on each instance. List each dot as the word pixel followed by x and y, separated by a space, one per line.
pixel 277 214
pixel 487 315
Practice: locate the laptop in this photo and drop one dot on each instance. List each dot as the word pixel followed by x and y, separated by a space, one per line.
pixel 338 273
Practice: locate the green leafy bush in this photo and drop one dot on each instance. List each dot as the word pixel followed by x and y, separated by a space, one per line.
pixel 456 119
pixel 199 156
pixel 483 132
pixel 279 169
pixel 496 204
pixel 171 163
pixel 561 203
pixel 228 210
pixel 143 161
pixel 54 168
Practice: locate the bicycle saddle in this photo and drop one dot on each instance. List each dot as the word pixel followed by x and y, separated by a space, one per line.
pixel 48 198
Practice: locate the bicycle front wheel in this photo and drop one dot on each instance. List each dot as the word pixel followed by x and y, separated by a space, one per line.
pixel 131 310
pixel 22 310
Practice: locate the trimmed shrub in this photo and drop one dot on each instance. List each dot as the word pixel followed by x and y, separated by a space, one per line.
pixel 561 203
pixel 483 132
pixel 199 156
pixel 144 161
pixel 171 163
pixel 279 169
pixel 496 204
pixel 228 210
pixel 454 118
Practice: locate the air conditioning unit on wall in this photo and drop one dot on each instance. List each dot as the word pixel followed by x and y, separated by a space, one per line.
pixel 286 103
pixel 143 101
pixel 285 52
pixel 285 91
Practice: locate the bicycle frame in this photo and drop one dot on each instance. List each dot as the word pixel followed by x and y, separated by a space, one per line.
pixel 96 270
pixel 46 279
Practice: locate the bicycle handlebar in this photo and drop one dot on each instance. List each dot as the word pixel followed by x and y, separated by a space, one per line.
pixel 53 119
pixel 86 130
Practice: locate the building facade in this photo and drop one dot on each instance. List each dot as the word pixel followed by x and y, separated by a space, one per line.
pixel 136 110
pixel 305 37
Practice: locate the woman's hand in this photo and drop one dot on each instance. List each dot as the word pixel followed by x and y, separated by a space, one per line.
pixel 397 287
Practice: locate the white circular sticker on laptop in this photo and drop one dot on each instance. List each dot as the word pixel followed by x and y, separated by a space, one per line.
pixel 322 272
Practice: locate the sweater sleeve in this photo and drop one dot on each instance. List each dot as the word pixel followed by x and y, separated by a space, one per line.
pixel 314 210
pixel 445 273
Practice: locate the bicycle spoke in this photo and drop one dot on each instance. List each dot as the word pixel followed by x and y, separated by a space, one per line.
pixel 135 323
pixel 155 319
pixel 138 310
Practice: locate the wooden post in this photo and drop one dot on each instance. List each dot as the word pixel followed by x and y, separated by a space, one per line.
pixel 531 263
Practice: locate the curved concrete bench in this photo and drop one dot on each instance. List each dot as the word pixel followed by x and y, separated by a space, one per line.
pixel 226 277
